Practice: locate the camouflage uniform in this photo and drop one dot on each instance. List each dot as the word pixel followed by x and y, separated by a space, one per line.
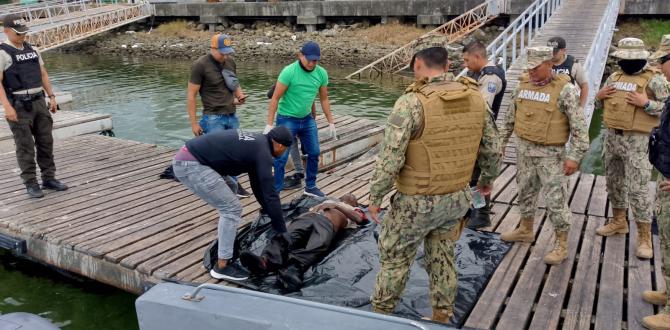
pixel 540 166
pixel 435 220
pixel 625 155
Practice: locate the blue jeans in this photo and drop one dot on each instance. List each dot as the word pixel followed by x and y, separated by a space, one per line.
pixel 213 123
pixel 213 189
pixel 306 130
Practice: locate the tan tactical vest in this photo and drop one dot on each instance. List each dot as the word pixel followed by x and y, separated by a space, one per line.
pixel 538 118
pixel 619 114
pixel 441 156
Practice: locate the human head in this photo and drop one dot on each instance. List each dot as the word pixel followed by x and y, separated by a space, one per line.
pixel 15 29
pixel 349 199
pixel 538 63
pixel 632 55
pixel 662 55
pixel 309 55
pixel 221 47
pixel 281 139
pixel 559 46
pixel 474 56
pixel 430 62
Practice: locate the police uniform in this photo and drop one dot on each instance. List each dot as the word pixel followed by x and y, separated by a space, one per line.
pixel 22 83
pixel 660 157
pixel 626 141
pixel 545 118
pixel 436 132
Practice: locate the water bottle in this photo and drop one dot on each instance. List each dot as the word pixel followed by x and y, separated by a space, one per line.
pixel 478 200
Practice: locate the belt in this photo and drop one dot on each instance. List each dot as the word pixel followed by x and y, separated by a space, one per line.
pixel 26 97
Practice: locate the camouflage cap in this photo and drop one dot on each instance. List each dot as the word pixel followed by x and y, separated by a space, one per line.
pixel 430 41
pixel 663 49
pixel 631 49
pixel 537 55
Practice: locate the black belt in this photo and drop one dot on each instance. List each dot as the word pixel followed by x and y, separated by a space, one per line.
pixel 27 97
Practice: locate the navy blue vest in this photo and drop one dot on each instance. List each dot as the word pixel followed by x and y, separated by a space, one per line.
pixel 497 100
pixel 25 72
pixel 566 67
pixel 659 144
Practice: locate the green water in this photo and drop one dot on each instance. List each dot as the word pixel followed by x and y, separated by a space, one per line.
pixel 146 99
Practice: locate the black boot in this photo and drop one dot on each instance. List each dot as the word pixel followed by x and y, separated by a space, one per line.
pixel 480 218
pixel 34 190
pixel 54 185
pixel 290 277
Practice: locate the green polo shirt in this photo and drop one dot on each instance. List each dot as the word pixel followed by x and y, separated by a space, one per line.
pixel 302 88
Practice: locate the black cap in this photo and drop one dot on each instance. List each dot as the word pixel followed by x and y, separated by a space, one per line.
pixel 16 23
pixel 282 135
pixel 557 43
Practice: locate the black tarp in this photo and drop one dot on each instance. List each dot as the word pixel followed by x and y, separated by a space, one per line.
pixel 346 276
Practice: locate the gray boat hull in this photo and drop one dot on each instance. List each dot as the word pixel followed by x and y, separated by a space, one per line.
pixel 170 306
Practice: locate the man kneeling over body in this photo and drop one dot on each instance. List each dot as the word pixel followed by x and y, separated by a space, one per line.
pixel 311 235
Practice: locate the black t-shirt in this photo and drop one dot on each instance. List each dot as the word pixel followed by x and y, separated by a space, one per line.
pixel 233 152
pixel 216 97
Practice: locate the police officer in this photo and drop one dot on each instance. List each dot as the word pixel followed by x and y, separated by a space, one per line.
pixel 492 84
pixel 24 81
pixel 632 99
pixel 544 161
pixel 659 151
pixel 424 131
pixel 569 65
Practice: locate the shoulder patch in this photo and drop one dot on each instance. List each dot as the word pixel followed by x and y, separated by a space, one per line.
pixel 396 120
pixel 491 88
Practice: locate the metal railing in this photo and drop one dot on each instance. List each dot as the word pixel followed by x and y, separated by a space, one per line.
pixel 511 43
pixel 454 30
pixel 598 53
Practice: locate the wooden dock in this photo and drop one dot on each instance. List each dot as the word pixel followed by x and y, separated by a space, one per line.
pixel 121 225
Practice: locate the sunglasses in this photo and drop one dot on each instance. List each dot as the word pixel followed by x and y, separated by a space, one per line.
pixel 664 59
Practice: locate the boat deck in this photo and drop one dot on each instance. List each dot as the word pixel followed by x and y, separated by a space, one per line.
pixel 121 225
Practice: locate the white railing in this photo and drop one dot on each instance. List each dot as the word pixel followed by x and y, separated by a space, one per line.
pixel 597 57
pixel 512 42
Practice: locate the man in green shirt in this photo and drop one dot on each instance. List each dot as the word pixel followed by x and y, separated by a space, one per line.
pixel 297 86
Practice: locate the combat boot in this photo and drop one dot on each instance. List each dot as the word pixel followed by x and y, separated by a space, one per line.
pixel 618 224
pixel 655 297
pixel 480 218
pixel 442 315
pixel 522 234
pixel 644 250
pixel 660 321
pixel 560 251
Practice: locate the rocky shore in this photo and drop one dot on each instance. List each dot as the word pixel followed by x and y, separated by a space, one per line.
pixel 343 45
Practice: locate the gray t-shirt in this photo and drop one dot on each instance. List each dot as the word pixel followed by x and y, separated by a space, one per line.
pixel 6 62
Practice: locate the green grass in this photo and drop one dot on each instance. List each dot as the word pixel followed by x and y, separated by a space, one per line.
pixel 653 30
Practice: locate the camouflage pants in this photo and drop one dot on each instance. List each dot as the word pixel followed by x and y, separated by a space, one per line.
pixel 434 220
pixel 32 133
pixel 663 218
pixel 628 172
pixel 536 173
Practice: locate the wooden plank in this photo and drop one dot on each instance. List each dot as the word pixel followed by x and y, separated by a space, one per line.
pixel 610 294
pixel 639 280
pixel 582 295
pixel 518 308
pixel 580 199
pixel 598 198
pixel 485 313
pixel 548 309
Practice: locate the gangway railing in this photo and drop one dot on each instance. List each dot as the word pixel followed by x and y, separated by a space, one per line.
pixel 511 43
pixel 56 23
pixel 598 54
pixel 454 30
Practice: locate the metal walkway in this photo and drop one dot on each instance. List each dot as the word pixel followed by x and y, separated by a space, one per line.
pixel 455 30
pixel 56 23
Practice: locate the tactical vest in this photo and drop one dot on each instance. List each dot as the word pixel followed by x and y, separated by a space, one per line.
pixel 24 72
pixel 619 114
pixel 441 156
pixel 538 118
pixel 659 144
pixel 497 100
pixel 565 68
